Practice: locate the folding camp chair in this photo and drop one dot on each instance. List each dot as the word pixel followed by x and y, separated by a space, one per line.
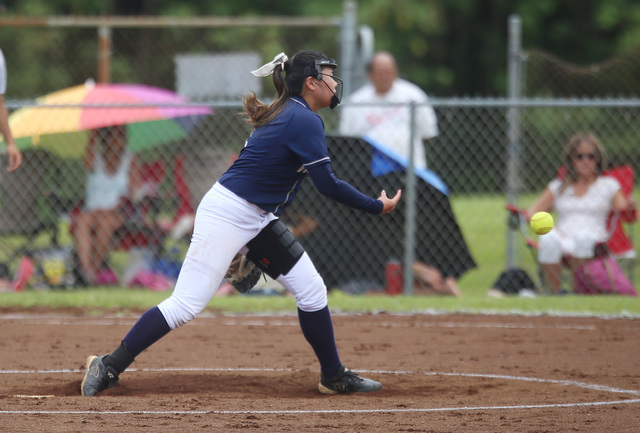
pixel 141 227
pixel 154 217
pixel 145 226
pixel 181 226
pixel 620 242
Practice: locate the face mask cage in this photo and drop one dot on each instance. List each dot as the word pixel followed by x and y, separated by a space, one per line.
pixel 307 71
pixel 337 95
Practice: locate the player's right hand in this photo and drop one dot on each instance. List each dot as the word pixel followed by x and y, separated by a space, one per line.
pixel 389 204
pixel 15 157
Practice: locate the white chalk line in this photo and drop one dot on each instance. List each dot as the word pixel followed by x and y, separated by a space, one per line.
pixel 282 319
pixel 326 411
pixel 583 385
pixel 252 321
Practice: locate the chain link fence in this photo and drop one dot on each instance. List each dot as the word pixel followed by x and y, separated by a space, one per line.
pixel 488 152
pixel 471 156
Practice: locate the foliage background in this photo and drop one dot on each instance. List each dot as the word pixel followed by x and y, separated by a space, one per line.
pixel 448 47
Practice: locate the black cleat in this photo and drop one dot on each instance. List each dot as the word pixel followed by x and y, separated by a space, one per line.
pixel 347 382
pixel 97 377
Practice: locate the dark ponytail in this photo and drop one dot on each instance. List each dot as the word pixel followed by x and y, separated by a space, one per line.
pixel 258 113
pixel 297 69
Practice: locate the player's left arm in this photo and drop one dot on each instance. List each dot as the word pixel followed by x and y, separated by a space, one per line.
pixel 328 184
pixel 308 142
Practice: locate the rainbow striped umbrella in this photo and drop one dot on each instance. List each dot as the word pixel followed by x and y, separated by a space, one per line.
pixel 61 120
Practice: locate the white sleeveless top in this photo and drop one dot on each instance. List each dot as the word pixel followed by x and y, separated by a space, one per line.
pixel 587 212
pixel 104 190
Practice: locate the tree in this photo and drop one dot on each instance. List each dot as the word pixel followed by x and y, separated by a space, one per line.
pixel 459 47
pixel 448 47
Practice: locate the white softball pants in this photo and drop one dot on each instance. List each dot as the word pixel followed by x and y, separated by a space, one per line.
pixel 224 224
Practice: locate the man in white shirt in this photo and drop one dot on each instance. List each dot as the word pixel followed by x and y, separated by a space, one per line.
pixel 383 115
pixel 388 119
pixel 14 154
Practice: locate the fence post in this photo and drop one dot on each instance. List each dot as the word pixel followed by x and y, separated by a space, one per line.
pixel 348 36
pixel 514 182
pixel 104 54
pixel 409 196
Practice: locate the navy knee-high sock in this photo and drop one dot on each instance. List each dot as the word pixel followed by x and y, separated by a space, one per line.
pixel 317 328
pixel 151 327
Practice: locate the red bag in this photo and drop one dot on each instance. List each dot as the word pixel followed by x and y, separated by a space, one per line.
pixel 604 276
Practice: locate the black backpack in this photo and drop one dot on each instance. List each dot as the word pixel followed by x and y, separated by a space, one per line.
pixel 513 280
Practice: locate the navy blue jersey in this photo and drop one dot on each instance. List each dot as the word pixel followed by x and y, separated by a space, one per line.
pixel 279 155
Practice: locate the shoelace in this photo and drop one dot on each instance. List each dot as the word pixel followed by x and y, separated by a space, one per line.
pixel 353 376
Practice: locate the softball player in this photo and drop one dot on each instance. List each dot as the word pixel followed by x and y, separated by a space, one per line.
pixel 240 214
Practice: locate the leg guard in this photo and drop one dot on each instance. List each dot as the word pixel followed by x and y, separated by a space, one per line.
pixel 275 250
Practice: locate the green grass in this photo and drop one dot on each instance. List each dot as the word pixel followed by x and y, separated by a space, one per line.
pixel 482 220
pixel 127 301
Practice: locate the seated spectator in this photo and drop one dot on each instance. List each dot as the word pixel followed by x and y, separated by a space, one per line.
pixel 430 281
pixel 389 123
pixel 112 174
pixel 582 202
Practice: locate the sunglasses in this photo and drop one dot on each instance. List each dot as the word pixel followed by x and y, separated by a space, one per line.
pixel 579 156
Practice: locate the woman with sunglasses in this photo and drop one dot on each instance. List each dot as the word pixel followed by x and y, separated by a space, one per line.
pixel 582 201
pixel 240 214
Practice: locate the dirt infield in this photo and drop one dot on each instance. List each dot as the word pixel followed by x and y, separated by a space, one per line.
pixel 440 373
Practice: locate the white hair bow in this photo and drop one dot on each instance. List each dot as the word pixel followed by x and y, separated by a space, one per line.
pixel 266 70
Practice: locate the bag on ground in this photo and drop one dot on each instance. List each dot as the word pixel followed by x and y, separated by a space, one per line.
pixel 54 268
pixel 603 275
pixel 512 281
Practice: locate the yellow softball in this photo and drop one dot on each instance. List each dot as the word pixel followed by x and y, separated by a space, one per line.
pixel 541 223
